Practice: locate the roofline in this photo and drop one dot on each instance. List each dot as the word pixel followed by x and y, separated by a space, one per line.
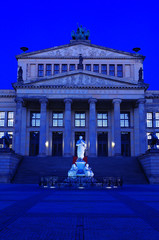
pixel 24 55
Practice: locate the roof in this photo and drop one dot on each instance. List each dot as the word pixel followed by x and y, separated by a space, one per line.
pixel 26 55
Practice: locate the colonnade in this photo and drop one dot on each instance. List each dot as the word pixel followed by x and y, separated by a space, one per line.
pixel 92 126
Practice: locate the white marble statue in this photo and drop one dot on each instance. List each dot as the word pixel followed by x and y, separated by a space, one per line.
pixel 81 147
pixel 72 172
pixel 88 172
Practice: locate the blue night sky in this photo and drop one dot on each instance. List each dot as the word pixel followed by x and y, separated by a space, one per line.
pixel 37 25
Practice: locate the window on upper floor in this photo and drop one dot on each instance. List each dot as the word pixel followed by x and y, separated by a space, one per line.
pixel 2 119
pixel 119 70
pixel 56 68
pixel 112 70
pixel 80 119
pixel 48 70
pixel 64 68
pixel 149 119
pixel 104 69
pixel 157 119
pixel 88 67
pixel 124 119
pixel 72 67
pixel 102 119
pixel 10 119
pixel 57 119
pixel 35 119
pixel 40 70
pixel 96 68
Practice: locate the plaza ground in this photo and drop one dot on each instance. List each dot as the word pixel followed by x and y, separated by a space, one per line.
pixel 28 212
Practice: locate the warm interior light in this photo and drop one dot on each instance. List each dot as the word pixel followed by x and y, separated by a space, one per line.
pixel 47 144
pixel 113 144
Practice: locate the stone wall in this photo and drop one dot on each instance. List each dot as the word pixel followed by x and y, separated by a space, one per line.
pixel 150 164
pixel 8 164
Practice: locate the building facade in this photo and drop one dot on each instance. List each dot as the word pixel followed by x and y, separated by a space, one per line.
pixel 79 89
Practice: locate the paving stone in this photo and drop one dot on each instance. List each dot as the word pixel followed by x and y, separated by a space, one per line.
pixel 30 213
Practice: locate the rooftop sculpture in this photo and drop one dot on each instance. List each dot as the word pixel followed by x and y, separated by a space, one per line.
pixel 80 34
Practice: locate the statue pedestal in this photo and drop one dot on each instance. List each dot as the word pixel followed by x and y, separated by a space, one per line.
pixel 150 165
pixel 80 165
pixel 80 169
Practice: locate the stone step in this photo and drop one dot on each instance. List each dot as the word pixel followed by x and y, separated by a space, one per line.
pixel 32 168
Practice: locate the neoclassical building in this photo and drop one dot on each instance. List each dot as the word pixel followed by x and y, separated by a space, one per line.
pixel 79 89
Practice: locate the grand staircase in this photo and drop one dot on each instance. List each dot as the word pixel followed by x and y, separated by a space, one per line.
pixel 32 168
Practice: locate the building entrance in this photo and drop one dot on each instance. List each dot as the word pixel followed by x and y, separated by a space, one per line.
pixel 34 144
pixel 102 144
pixel 125 144
pixel 77 134
pixel 57 138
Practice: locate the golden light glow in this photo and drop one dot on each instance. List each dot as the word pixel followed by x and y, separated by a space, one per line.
pixel 113 144
pixel 47 144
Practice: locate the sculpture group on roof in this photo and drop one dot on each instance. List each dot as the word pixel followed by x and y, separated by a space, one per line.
pixel 80 34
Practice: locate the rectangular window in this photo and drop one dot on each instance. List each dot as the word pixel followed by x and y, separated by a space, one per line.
pixel 149 119
pixel 57 119
pixel 2 119
pixel 96 68
pixel 125 119
pixel 40 70
pixel 102 119
pixel 72 67
pixel 119 70
pixel 64 68
pixel 104 69
pixel 80 119
pixel 157 119
pixel 56 68
pixel 35 119
pixel 48 69
pixel 10 119
pixel 88 67
pixel 112 70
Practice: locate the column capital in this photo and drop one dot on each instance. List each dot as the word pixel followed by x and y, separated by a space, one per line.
pixel 43 100
pixel 92 100
pixel 67 100
pixel 116 100
pixel 141 100
pixel 19 100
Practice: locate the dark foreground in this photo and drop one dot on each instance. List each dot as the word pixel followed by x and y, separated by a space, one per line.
pixel 28 213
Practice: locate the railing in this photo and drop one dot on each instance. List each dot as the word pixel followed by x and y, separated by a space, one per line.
pixel 80 182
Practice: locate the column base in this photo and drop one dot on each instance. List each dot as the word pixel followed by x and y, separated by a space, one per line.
pixel 92 155
pixel 42 155
pixel 67 155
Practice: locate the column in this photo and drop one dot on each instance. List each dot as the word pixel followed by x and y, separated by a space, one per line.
pixel 18 121
pixel 67 133
pixel 92 127
pixel 117 130
pixel 142 126
pixel 43 122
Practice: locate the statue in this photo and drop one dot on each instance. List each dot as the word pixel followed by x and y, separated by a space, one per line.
pixel 140 76
pixel 81 147
pixel 20 74
pixel 6 139
pixel 154 139
pixel 80 34
pixel 80 65
pixel 80 168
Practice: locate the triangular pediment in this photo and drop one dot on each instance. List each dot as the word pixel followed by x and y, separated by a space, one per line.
pixel 73 51
pixel 81 78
